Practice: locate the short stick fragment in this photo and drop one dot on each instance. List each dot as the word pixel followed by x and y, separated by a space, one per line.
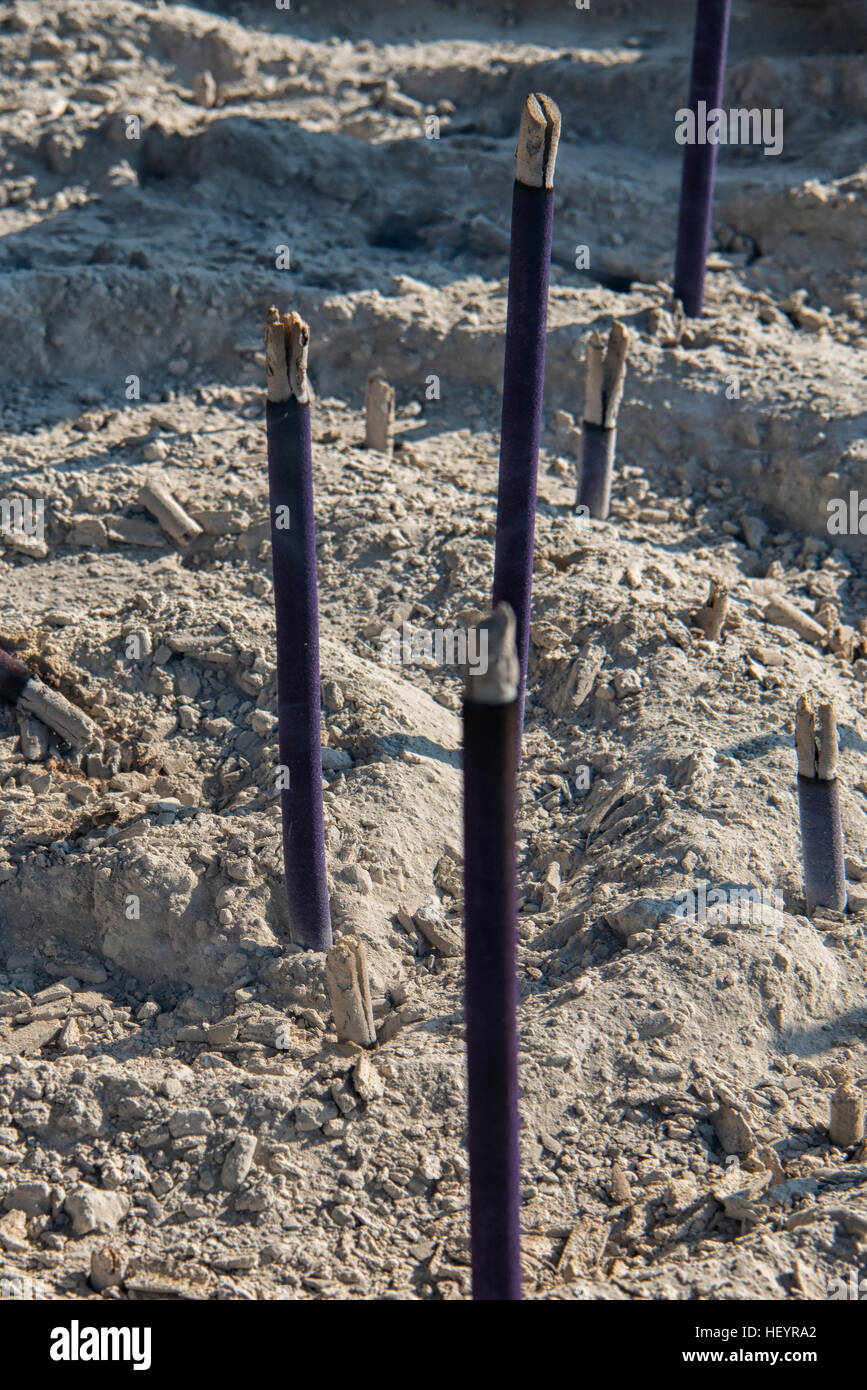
pixel 710 619
pixel 819 803
pixel 784 614
pixel 490 754
pixel 168 511
pixel 379 414
pixel 606 376
pixel 349 991
pixel 847 1115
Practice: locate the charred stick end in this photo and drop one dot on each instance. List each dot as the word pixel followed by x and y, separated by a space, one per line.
pixel 614 374
pixel 593 408
pixel 710 619
pixel 538 138
pixel 286 344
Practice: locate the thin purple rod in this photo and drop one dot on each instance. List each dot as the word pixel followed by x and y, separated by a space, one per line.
pixel 293 549
pixel 520 426
pixel 699 161
pixel 490 753
pixel 822 843
pixel 597 466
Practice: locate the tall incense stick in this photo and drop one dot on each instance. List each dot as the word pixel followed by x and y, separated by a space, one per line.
pixel 699 159
pixel 524 369
pixel 293 548
pixel 490 754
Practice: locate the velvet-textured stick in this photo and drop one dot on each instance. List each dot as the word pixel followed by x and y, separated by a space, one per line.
pixel 524 367
pixel 699 158
pixel 606 376
pixel 490 755
pixel 819 804
pixel 293 549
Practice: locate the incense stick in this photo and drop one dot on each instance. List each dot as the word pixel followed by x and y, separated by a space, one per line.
pixel 605 380
pixel 699 159
pixel 293 548
pixel 819 804
pixel 524 367
pixel 491 734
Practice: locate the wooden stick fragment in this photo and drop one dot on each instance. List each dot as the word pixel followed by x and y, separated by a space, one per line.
pixel 819 802
pixel 699 157
pixel 490 757
pixel 175 521
pixel 784 614
pixel 293 552
pixel 710 618
pixel 33 698
pixel 379 400
pixel 524 366
pixel 349 991
pixel 846 1125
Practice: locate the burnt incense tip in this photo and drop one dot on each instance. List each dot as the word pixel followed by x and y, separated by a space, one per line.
pixel 614 372
pixel 492 677
pixel 538 138
pixel 816 738
pixel 593 386
pixel 286 343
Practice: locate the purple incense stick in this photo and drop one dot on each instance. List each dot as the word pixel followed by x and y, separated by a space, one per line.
pixel 490 755
pixel 293 548
pixel 819 805
pixel 524 369
pixel 699 159
pixel 606 376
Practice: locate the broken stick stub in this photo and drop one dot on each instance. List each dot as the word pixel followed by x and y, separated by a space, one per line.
pixel 710 618
pixel 286 342
pixel 494 678
pixel 604 383
pixel 379 400
pixel 538 138
pixel 349 991
pixel 819 806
